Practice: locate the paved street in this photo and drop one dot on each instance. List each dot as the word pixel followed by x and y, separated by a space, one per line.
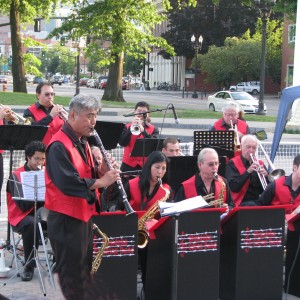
pixel 153 97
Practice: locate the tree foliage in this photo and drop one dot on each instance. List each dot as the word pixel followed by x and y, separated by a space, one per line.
pixel 116 27
pixel 215 22
pixel 22 13
pixel 239 58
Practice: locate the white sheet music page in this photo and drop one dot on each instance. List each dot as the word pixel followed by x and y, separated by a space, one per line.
pixel 28 179
pixel 167 208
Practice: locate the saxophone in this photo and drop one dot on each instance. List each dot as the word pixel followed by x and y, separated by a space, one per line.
pixel 219 202
pixel 97 260
pixel 143 236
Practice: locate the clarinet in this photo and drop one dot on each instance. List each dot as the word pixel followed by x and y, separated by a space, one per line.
pixel 99 143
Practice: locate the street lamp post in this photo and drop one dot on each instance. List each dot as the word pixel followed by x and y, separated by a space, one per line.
pixel 197 43
pixel 77 90
pixel 265 8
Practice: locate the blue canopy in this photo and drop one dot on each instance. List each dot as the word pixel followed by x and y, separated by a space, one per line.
pixel 288 96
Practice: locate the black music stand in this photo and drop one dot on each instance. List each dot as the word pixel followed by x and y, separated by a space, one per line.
pixel 109 133
pixel 144 147
pixel 292 261
pixel 35 197
pixel 220 140
pixel 16 137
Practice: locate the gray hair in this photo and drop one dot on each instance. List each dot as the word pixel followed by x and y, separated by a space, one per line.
pixel 231 105
pixel 203 152
pixel 248 137
pixel 84 102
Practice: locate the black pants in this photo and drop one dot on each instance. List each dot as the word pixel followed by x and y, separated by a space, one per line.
pixel 71 241
pixel 26 229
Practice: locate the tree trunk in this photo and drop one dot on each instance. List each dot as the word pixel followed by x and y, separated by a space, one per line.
pixel 18 69
pixel 113 90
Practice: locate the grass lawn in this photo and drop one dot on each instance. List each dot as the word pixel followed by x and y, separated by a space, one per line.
pixel 27 99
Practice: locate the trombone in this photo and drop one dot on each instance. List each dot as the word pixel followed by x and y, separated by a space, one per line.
pixel 274 173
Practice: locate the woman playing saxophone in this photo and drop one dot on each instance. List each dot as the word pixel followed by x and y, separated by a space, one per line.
pixel 146 190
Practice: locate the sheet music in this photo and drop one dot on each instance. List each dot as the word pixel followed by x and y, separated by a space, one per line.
pixel 28 179
pixel 167 208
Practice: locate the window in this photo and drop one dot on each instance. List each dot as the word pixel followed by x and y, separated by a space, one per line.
pixel 291 33
pixel 289 77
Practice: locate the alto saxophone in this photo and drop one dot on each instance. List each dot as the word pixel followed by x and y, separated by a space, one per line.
pixel 143 236
pixel 219 202
pixel 97 260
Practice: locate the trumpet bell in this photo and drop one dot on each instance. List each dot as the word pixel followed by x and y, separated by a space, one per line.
pixel 275 174
pixel 136 129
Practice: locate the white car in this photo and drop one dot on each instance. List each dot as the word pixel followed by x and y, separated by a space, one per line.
pixel 246 102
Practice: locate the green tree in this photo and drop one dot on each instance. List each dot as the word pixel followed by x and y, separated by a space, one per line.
pixel 239 58
pixel 125 26
pixel 133 65
pixel 23 12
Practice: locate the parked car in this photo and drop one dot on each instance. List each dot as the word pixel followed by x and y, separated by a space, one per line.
pixel 90 83
pixel 56 79
pixel 38 79
pixel 3 79
pixel 98 81
pixel 83 81
pixel 252 87
pixel 103 83
pixel 246 102
pixel 29 78
pixel 125 85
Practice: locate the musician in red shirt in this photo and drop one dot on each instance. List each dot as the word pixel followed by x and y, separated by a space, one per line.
pixel 128 139
pixel 206 181
pixel 144 191
pixel 230 119
pixel 72 198
pixel 45 112
pixel 242 173
pixel 21 212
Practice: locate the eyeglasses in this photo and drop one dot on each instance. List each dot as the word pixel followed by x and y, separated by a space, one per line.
pixel 211 164
pixel 49 94
pixel 38 158
pixel 230 115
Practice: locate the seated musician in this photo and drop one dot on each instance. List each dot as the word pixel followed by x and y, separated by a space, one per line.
pixel 245 174
pixel 21 212
pixel 206 181
pixel 45 112
pixel 128 137
pixel 230 120
pixel 171 147
pixel 144 191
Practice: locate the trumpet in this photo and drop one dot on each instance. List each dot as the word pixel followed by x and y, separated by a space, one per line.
pixel 136 128
pixel 261 177
pixel 16 118
pixel 237 143
pixel 63 114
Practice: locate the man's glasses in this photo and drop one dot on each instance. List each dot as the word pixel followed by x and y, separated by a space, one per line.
pixel 211 164
pixel 49 94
